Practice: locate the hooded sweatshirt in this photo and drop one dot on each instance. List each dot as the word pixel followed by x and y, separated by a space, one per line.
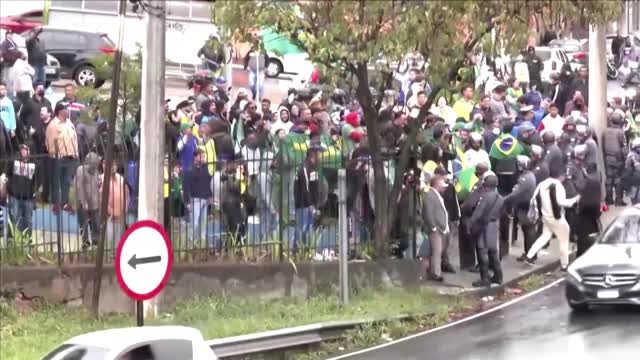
pixel 281 125
pixel 8 113
pixel 88 182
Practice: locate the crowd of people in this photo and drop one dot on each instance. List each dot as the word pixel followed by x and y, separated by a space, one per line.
pixel 511 151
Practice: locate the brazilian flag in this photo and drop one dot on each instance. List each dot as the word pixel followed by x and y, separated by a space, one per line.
pixel 293 149
pixel 465 181
pixel 505 147
pixel 331 157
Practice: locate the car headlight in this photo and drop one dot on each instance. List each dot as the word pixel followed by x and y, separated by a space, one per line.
pixel 571 271
pixel 630 93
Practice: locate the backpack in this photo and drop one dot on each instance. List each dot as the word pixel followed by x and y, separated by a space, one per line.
pixel 535 207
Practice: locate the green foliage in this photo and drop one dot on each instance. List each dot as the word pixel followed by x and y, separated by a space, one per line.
pixel 29 331
pixel 98 100
pixel 18 251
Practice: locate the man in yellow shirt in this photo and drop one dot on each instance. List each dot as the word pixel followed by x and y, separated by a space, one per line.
pixel 464 105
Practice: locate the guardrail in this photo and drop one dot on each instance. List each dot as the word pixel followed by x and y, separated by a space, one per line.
pixel 288 339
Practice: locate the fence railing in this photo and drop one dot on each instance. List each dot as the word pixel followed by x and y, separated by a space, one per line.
pixel 253 208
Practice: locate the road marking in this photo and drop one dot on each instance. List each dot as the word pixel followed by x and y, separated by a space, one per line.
pixel 458 322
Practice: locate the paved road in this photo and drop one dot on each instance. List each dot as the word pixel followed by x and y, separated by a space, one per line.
pixel 540 327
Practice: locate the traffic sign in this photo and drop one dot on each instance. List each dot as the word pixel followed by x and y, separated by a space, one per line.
pixel 143 260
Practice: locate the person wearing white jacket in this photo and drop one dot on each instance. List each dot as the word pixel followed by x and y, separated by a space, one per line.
pixel 550 198
pixel 22 76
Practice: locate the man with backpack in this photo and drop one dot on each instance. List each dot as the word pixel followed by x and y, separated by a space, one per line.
pixel 547 204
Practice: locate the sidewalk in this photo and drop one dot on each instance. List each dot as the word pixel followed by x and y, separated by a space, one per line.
pixel 513 271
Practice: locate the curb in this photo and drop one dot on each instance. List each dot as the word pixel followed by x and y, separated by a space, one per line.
pixel 500 289
pixel 313 334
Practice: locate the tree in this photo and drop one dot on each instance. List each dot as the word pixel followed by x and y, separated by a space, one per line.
pixel 129 94
pixel 352 36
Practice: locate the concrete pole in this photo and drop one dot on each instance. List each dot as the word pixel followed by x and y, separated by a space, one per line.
pixel 343 254
pixel 635 18
pixel 598 84
pixel 623 28
pixel 150 201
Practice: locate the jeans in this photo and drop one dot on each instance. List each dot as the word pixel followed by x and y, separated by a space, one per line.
pixel 63 171
pixel 304 226
pixel 253 83
pixel 40 75
pixel 198 218
pixel 22 214
pixel 88 220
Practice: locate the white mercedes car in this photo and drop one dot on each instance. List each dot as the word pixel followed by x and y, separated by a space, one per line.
pixel 147 342
pixel 609 272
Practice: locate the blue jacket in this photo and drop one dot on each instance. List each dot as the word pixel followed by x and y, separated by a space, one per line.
pixel 7 113
pixel 188 152
pixel 197 183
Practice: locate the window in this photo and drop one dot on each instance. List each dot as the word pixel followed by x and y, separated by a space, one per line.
pixel 623 230
pixel 544 54
pixel 109 6
pixel 58 40
pixel 161 350
pixel 201 10
pixel 69 4
pixel 77 352
pixel 178 9
pixel 173 350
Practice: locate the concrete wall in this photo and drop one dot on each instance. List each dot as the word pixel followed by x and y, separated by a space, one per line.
pixel 73 285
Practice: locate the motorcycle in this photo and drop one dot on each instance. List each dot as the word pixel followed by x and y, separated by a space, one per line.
pixel 612 70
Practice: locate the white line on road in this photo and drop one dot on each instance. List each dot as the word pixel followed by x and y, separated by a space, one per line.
pixel 461 321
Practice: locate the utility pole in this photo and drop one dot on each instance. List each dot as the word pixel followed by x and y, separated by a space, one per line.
pixel 598 84
pixel 150 201
pixel 111 135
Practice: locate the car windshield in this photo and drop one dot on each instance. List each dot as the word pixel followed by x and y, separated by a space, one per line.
pixel 624 230
pixel 76 352
pixel 544 54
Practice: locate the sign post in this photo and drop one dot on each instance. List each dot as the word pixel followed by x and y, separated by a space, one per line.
pixel 143 262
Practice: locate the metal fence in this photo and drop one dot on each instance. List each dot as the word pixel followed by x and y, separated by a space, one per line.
pixel 246 208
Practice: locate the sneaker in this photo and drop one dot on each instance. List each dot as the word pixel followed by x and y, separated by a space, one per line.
pixel 481 283
pixel 448 268
pixel 434 277
pixel 522 258
pixel 495 280
pixel 68 208
pixel 529 262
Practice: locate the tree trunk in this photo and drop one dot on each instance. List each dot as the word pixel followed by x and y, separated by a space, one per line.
pixel 381 226
pixel 385 195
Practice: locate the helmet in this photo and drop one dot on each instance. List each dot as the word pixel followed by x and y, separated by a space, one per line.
pixel 635 144
pixel 536 150
pixel 580 151
pixel 616 119
pixel 523 162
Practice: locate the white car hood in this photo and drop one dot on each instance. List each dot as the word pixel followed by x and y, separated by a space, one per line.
pixel 610 254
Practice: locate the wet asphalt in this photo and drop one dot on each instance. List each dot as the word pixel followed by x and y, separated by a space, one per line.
pixel 541 327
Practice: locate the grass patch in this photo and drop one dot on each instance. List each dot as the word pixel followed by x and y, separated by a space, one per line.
pixel 532 282
pixel 29 334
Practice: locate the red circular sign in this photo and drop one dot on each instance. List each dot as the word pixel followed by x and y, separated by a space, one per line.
pixel 144 258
